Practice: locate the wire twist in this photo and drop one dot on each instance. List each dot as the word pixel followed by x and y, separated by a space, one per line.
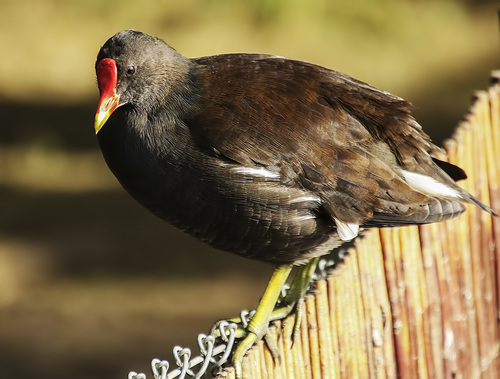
pixel 211 357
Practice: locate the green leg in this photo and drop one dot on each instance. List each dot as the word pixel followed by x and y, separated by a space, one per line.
pixel 259 323
pixel 295 295
pixel 272 308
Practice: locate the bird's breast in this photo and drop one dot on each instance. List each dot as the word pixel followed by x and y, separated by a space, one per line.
pixel 240 209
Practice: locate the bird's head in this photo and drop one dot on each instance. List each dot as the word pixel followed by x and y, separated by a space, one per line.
pixel 137 69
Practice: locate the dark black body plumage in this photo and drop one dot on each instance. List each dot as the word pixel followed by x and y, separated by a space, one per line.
pixel 264 156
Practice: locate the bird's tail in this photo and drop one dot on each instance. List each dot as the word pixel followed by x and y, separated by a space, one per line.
pixel 441 209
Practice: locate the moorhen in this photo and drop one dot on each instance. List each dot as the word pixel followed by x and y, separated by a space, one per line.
pixel 269 158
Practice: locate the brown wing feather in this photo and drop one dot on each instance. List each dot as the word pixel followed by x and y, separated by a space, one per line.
pixel 321 130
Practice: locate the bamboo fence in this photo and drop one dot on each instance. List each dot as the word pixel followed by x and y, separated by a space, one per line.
pixel 412 302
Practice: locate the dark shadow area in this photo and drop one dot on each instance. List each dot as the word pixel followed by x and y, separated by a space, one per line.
pixel 107 234
pixel 50 125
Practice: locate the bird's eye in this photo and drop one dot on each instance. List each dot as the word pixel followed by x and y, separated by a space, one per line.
pixel 131 70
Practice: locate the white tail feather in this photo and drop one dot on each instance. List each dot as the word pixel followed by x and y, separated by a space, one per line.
pixel 429 186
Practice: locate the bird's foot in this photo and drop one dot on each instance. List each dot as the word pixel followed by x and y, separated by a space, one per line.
pixel 252 327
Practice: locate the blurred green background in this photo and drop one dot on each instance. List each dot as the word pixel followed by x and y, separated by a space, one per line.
pixel 91 285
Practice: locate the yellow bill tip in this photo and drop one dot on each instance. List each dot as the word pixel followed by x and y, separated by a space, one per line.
pixel 106 107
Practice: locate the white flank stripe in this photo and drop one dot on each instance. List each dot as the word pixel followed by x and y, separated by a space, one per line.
pixel 304 217
pixel 427 185
pixel 257 172
pixel 303 199
pixel 347 230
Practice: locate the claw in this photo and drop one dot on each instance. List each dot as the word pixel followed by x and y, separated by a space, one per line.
pixel 272 345
pixel 299 312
